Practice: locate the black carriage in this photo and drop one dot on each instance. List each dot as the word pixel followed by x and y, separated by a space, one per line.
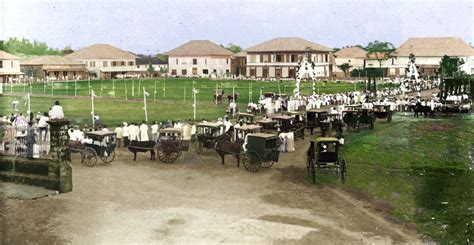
pixel 287 124
pixel 323 156
pixel 383 112
pixel 366 118
pixel 314 118
pixel 97 144
pixel 350 118
pixel 206 134
pixel 242 131
pixel 268 125
pixel 260 150
pixel 170 144
pixel 246 118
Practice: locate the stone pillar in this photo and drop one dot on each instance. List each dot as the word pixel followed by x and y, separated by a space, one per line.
pixel 60 153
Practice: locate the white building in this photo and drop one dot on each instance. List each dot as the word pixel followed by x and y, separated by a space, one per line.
pixel 279 57
pixel 429 51
pixel 105 61
pixel 354 56
pixel 144 61
pixel 9 66
pixel 199 58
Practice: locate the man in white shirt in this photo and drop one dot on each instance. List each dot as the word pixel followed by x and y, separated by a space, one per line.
pixel 118 131
pixel 144 132
pixel 56 111
pixel 154 131
pixel 125 134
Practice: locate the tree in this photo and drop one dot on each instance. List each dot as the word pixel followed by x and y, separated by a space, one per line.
pixel 449 66
pixel 150 68
pixel 14 45
pixel 233 48
pixel 380 50
pixel 345 67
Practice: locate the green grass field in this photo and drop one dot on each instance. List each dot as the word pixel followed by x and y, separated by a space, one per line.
pixel 417 171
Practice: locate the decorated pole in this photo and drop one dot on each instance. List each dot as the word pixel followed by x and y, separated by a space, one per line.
pixel 154 92
pixel 67 88
pixel 93 109
pixel 28 99
pixel 164 89
pixel 44 87
pixel 89 83
pixel 113 88
pixel 314 87
pixel 145 94
pixel 126 92
pixel 133 88
pixel 101 88
pixel 194 104
pixel 75 87
pixel 184 96
pixel 139 84
pixel 52 87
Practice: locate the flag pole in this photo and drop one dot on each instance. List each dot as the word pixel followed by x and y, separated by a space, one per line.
pixel 184 97
pixel 154 92
pixel 75 87
pixel 92 113
pixel 29 103
pixel 194 104
pixel 144 104
pixel 125 84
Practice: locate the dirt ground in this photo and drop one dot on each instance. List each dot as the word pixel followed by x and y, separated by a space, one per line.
pixel 197 200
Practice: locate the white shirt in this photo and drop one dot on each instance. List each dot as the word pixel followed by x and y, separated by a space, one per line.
pixel 56 112
pixel 118 131
pixel 125 131
pixel 43 122
pixel 154 128
pixel 143 132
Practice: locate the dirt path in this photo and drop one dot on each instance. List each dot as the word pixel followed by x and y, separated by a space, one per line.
pixel 197 200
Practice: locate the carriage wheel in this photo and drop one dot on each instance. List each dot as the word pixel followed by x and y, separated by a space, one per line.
pixel 89 157
pixel 251 162
pixel 109 158
pixel 168 154
pixel 343 170
pixel 310 169
pixel 199 147
pixel 267 164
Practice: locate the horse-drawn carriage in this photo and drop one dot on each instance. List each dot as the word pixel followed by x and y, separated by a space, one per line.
pixel 314 118
pixel 382 111
pixel 287 124
pixel 170 144
pixel 97 144
pixel 206 134
pixel 350 118
pixel 260 150
pixel 246 118
pixel 366 117
pixel 323 155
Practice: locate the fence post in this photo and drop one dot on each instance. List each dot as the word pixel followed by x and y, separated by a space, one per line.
pixel 59 152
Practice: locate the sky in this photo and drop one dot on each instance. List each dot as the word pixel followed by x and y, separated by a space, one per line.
pixel 148 27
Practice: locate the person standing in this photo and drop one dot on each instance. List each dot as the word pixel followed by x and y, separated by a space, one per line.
pixel 30 140
pixel 125 134
pixel 118 131
pixel 56 111
pixel 154 131
pixel 144 132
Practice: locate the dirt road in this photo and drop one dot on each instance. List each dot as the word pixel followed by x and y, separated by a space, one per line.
pixel 197 200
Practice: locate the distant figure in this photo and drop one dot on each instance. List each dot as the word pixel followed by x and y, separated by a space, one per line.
pixel 125 134
pixel 154 131
pixel 118 130
pixel 30 140
pixel 15 105
pixel 56 111
pixel 144 132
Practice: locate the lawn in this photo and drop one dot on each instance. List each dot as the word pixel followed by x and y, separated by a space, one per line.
pixel 417 171
pixel 175 89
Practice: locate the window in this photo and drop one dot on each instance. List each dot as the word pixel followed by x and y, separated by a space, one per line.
pixel 205 61
pixel 176 61
pixel 279 58
pixel 195 71
pixel 1 64
pixel 114 63
pixel 92 64
pixel 195 61
pixel 11 64
pixel 293 58
pixel 105 63
pixel 226 71
pixel 227 61
pixel 173 72
pixel 205 71
pixel 184 72
pixel 122 63
pixel 214 71
pixel 349 61
pixel 130 63
pixel 326 59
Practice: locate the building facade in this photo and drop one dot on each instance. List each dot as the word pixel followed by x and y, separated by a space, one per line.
pixel 429 52
pixel 199 58
pixel 9 67
pixel 279 57
pixel 143 65
pixel 105 61
pixel 53 67
pixel 354 56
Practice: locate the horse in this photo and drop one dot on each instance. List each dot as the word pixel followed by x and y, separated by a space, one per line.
pixel 225 146
pixel 233 97
pixel 142 146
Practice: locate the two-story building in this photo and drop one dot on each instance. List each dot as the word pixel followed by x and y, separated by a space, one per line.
pixel 105 61
pixel 354 56
pixel 279 57
pixel 428 52
pixel 9 67
pixel 199 58
pixel 54 67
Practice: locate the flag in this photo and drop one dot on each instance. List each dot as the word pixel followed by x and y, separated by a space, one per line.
pixel 93 94
pixel 146 93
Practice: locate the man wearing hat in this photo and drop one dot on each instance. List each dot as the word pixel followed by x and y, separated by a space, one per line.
pixel 125 134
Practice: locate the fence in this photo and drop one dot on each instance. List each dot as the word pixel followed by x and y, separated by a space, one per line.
pixel 13 142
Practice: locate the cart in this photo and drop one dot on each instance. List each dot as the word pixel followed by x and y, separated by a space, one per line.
pixel 350 118
pixel 260 150
pixel 383 112
pixel 246 118
pixel 314 118
pixel 171 145
pixel 323 155
pixel 98 144
pixel 206 134
pixel 366 118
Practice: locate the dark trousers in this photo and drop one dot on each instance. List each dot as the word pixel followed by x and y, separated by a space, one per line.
pixel 125 141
